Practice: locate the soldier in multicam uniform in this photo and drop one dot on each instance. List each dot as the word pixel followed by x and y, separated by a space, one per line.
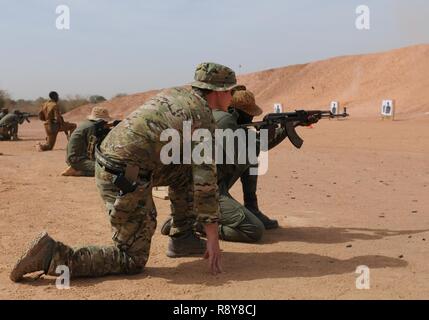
pixel 128 166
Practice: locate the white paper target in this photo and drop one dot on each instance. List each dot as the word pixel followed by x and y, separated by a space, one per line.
pixel 387 108
pixel 335 107
pixel 278 108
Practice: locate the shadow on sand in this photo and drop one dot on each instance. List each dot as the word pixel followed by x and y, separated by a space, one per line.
pixel 247 266
pixel 330 235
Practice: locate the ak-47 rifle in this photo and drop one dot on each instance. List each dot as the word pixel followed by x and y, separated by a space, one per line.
pixel 24 116
pixel 291 120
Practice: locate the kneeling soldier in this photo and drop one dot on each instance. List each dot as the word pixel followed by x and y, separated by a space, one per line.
pixel 128 165
pixel 81 146
pixel 9 125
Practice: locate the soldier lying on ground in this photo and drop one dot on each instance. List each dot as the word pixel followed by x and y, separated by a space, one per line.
pixel 239 223
pixel 128 165
pixel 81 146
pixel 53 122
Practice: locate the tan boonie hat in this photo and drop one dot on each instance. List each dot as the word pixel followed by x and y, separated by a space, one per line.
pixel 214 76
pixel 245 101
pixel 99 113
pixel 240 87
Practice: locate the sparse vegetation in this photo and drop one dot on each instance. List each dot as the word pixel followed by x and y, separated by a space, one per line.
pixel 4 97
pixel 72 102
pixel 67 103
pixel 96 99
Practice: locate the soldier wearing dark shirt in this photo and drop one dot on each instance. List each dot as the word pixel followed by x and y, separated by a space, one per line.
pixel 81 146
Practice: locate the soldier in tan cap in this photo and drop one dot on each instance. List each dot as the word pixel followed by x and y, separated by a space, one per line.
pixel 243 223
pixel 245 105
pixel 81 146
pixel 239 223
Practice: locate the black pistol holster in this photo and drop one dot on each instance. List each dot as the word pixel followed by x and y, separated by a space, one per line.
pixel 126 176
pixel 126 182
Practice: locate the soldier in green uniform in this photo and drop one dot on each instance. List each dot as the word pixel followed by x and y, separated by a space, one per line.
pixel 81 146
pixel 128 166
pixel 244 104
pixel 240 223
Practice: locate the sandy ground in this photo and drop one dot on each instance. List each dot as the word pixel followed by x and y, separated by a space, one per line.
pixel 356 194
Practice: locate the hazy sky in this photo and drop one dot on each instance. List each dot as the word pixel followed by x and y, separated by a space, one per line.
pixel 132 46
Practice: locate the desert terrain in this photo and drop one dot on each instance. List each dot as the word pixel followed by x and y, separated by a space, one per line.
pixel 355 194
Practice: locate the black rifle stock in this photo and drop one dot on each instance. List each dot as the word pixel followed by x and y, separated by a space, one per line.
pixel 291 120
pixel 24 116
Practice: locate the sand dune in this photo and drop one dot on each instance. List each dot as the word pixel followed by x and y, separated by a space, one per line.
pixel 118 107
pixel 359 82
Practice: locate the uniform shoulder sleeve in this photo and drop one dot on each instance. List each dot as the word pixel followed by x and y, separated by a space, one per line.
pixel 204 175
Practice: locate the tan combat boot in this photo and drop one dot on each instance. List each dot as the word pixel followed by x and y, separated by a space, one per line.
pixel 36 258
pixel 70 172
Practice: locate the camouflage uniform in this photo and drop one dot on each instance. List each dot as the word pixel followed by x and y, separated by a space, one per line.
pixel 136 142
pixel 9 126
pixel 77 148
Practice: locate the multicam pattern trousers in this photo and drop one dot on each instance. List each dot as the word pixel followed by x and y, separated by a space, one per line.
pixel 133 222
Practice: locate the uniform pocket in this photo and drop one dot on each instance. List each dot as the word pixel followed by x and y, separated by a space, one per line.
pixel 130 201
pixel 232 212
